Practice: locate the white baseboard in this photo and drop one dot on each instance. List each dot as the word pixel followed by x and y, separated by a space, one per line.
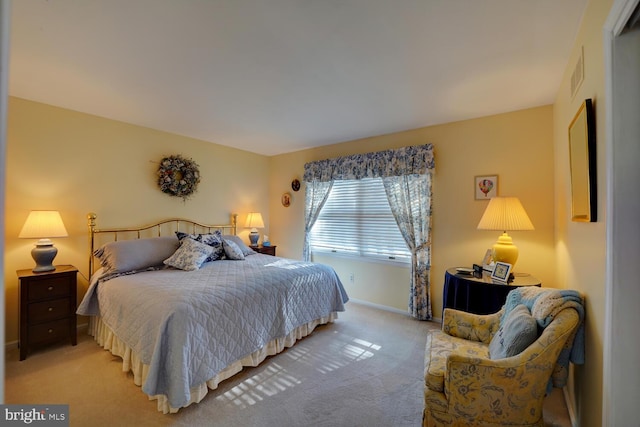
pixel 386 308
pixel 570 408
pixel 378 306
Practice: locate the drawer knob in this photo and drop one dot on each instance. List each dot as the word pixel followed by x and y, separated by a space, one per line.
pixel 50 288
pixel 50 309
pixel 50 331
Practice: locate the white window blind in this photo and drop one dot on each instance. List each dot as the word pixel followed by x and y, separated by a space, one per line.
pixel 357 220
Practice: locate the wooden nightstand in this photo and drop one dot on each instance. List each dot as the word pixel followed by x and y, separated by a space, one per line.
pixel 267 250
pixel 47 307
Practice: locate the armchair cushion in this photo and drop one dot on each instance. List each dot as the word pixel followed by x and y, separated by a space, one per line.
pixel 438 349
pixel 518 331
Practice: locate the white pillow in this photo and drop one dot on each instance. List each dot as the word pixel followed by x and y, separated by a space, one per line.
pixel 232 251
pixel 190 255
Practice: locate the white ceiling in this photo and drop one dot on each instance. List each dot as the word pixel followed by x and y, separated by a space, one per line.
pixel 276 76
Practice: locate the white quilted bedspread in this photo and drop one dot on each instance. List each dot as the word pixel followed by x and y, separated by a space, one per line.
pixel 188 326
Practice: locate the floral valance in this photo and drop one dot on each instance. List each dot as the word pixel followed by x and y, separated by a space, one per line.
pixel 414 160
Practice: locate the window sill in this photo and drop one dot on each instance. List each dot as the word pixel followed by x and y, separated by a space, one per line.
pixel 371 259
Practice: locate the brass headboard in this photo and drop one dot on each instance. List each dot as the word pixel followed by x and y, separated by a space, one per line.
pixel 163 227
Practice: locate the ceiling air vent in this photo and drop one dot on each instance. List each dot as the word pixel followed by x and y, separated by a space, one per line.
pixel 634 20
pixel 578 73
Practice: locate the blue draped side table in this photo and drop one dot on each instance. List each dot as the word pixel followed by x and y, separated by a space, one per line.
pixel 479 294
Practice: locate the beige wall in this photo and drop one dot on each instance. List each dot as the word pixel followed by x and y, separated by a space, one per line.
pixel 516 146
pixel 580 247
pixel 78 163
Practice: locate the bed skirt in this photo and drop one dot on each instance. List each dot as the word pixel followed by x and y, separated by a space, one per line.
pixel 105 337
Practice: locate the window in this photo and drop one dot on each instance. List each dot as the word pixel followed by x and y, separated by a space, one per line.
pixel 357 220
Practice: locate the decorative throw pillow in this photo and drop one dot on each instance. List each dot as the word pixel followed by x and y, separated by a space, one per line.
pixel 212 239
pixel 231 250
pixel 124 256
pixel 518 331
pixel 246 250
pixel 190 255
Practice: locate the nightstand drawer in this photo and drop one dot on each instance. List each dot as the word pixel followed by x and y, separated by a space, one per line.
pixel 266 250
pixel 51 288
pixel 51 331
pixel 48 310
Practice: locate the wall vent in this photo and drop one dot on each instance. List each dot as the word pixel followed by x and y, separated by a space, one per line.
pixel 578 73
pixel 634 20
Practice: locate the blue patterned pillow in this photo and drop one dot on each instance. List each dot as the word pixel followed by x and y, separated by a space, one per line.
pixel 212 239
pixel 190 255
pixel 232 251
pixel 518 331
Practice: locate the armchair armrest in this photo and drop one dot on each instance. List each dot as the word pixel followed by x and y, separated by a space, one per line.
pixel 502 390
pixel 469 326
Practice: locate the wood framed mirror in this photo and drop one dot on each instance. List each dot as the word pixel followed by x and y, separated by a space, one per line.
pixel 582 159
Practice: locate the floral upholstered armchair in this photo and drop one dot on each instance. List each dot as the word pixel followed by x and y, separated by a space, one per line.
pixel 492 370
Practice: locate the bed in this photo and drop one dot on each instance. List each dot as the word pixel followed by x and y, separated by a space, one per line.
pixel 184 323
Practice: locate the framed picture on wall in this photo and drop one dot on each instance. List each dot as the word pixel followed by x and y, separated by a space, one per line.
pixel 582 158
pixel 485 186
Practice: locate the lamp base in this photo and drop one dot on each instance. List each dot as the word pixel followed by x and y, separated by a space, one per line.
pixel 253 238
pixel 43 254
pixel 504 250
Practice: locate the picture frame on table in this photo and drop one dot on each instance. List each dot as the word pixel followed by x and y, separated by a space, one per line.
pixel 501 271
pixel 485 186
pixel 487 261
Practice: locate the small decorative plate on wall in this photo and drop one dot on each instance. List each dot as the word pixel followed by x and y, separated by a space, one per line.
pixel 295 185
pixel 286 200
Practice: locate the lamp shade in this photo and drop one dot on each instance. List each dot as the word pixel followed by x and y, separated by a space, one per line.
pixel 254 220
pixel 43 224
pixel 505 213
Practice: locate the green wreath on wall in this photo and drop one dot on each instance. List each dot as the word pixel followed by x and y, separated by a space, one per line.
pixel 178 176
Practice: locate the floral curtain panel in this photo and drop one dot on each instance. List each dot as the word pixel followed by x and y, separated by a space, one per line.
pixel 410 200
pixel 406 174
pixel 316 195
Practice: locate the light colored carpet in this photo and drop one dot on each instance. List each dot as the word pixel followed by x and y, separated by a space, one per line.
pixel 365 369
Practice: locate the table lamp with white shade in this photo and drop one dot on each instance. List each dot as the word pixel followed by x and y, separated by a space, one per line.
pixel 43 225
pixel 254 221
pixel 505 214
